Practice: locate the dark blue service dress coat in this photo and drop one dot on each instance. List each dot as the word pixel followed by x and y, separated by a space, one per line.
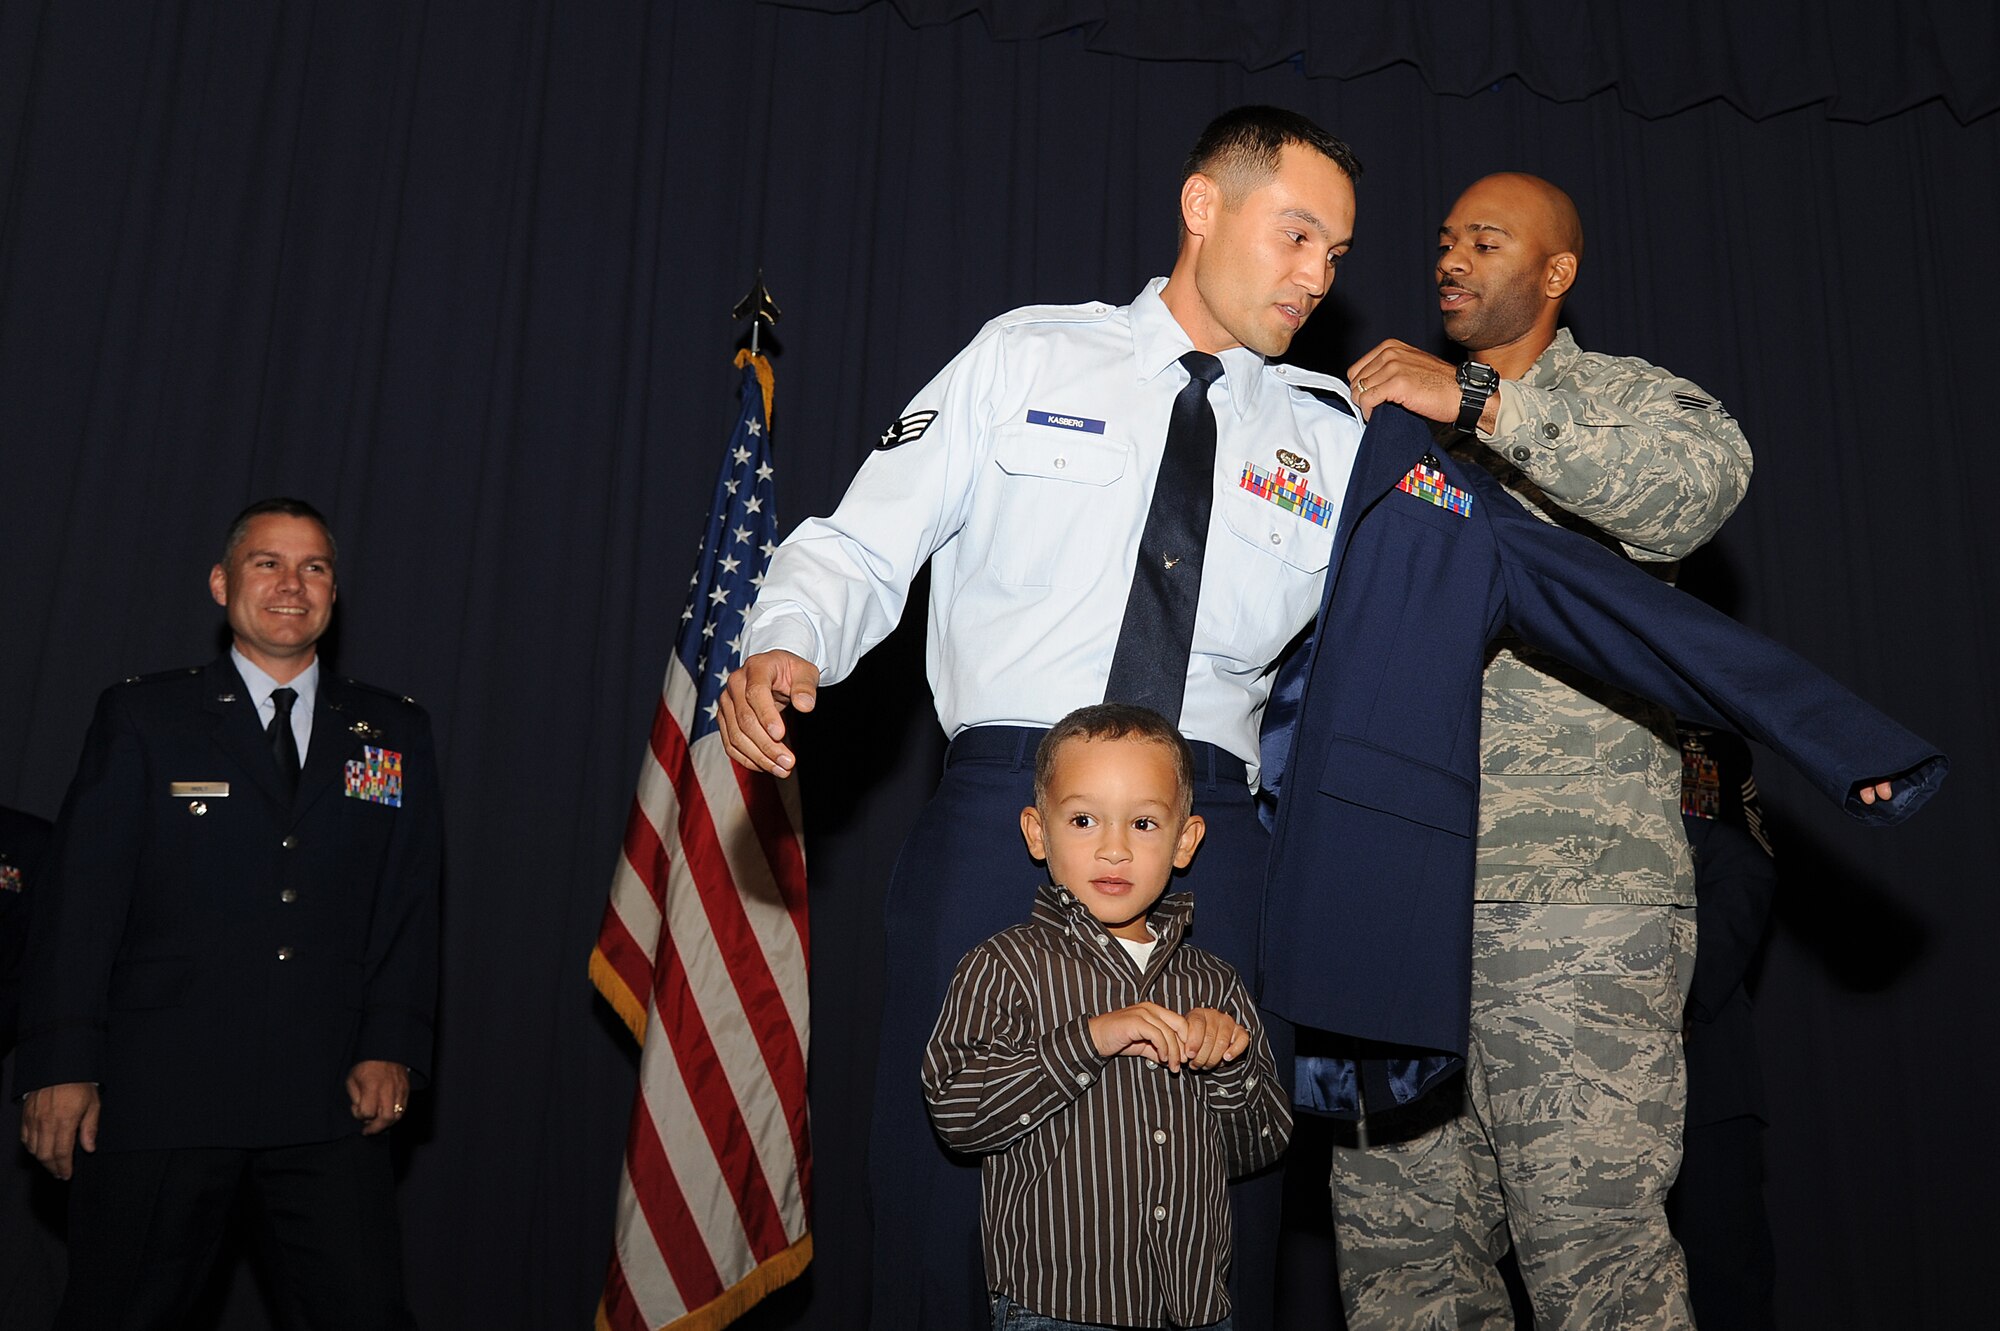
pixel 1372 735
pixel 197 933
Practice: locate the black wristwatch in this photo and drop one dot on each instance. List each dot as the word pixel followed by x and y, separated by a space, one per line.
pixel 1476 383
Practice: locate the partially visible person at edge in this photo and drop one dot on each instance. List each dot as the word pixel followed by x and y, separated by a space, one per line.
pixel 1025 473
pixel 232 965
pixel 1582 864
pixel 1717 1204
pixel 24 844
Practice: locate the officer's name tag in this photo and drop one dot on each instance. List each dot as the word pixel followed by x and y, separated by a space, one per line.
pixel 197 790
pixel 376 776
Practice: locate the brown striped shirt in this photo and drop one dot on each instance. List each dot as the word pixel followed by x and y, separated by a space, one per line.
pixel 1105 1192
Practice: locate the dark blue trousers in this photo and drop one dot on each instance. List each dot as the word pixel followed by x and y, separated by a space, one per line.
pixel 144 1227
pixel 963 876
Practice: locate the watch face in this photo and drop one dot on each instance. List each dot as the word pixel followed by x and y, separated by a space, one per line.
pixel 1477 374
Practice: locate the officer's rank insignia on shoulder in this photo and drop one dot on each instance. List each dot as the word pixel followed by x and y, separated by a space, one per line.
pixel 1427 482
pixel 907 430
pixel 376 776
pixel 1286 489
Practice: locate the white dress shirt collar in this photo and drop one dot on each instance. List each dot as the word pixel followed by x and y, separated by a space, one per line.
pixel 261 686
pixel 1158 341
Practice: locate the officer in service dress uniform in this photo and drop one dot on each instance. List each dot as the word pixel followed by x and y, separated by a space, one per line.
pixel 232 969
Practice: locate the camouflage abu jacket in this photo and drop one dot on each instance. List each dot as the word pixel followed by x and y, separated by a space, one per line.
pixel 1579 781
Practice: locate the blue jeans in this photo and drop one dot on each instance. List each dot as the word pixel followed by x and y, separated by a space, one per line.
pixel 1011 1316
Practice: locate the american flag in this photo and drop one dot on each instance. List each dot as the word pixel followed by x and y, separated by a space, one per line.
pixel 703 953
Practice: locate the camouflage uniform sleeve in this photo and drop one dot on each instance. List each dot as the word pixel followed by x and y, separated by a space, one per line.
pixel 1639 453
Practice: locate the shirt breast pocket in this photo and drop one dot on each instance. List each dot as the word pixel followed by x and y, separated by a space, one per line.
pixel 1276 565
pixel 1050 523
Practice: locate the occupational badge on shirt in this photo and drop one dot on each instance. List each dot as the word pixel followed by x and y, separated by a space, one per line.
pixel 1287 489
pixel 907 430
pixel 1287 458
pixel 10 877
pixel 1064 421
pixel 1701 785
pixel 1427 482
pixel 362 730
pixel 376 776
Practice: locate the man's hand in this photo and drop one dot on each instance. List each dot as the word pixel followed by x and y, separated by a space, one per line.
pixel 1144 1030
pixel 378 1093
pixel 1870 791
pixel 1398 372
pixel 752 709
pixel 55 1119
pixel 1214 1037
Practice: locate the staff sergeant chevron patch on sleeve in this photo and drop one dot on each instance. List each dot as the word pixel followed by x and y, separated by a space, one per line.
pixel 906 430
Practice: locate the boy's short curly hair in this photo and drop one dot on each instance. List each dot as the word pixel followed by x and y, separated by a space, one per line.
pixel 1116 720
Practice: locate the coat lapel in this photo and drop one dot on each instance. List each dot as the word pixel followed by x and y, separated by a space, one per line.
pixel 1394 442
pixel 333 741
pixel 227 699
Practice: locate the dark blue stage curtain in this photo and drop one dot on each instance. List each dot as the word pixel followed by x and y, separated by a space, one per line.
pixel 1859 59
pixel 461 273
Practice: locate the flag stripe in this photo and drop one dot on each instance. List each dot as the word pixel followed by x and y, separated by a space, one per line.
pixel 670 1223
pixel 749 969
pixel 771 813
pixel 715 1108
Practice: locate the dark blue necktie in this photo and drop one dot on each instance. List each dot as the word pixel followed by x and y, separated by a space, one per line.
pixel 1149 666
pixel 284 743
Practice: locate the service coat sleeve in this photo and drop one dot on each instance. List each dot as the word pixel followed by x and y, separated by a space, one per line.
pixel 1573 598
pixel 77 918
pixel 399 996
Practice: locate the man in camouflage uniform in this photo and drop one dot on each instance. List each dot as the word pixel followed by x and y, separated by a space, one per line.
pixel 1583 943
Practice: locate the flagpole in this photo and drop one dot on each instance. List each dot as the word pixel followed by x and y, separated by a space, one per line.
pixel 759 308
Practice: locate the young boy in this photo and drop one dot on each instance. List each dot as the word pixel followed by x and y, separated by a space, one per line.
pixel 1113 1076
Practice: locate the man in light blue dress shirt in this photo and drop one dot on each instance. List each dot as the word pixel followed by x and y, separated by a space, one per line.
pixel 1024 474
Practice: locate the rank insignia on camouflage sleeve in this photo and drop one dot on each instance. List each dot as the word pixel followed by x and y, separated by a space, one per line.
pixel 907 430
pixel 10 878
pixel 376 776
pixel 1428 483
pixel 1287 489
